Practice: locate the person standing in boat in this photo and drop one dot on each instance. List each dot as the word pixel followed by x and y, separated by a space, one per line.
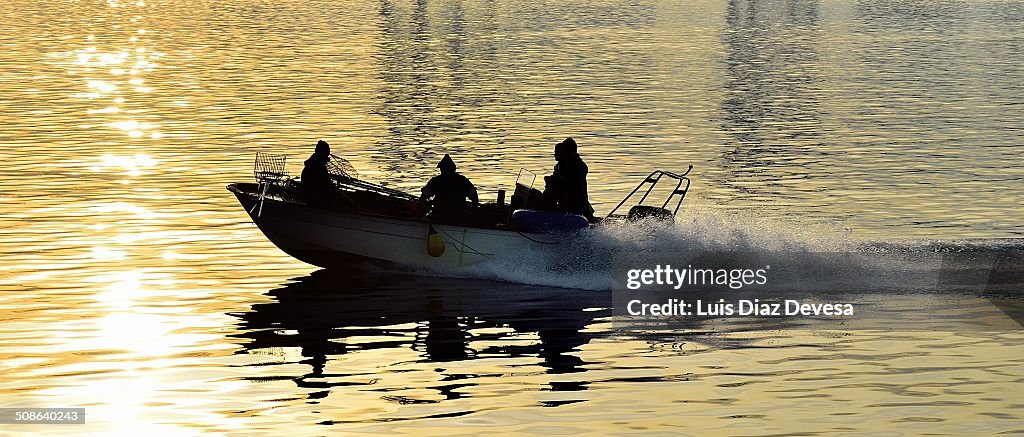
pixel 316 180
pixel 445 194
pixel 566 188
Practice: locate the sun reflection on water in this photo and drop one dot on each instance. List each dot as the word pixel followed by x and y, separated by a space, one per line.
pixel 101 253
pixel 123 65
pixel 104 361
pixel 131 165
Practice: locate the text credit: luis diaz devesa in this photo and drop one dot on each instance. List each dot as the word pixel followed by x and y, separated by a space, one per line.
pixel 727 281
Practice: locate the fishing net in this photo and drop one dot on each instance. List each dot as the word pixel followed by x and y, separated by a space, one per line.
pixel 340 167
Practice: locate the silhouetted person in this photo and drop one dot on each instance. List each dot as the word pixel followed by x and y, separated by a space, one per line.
pixel 316 180
pixel 446 194
pixel 566 188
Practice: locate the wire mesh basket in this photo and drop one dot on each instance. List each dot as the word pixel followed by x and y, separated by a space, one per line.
pixel 270 168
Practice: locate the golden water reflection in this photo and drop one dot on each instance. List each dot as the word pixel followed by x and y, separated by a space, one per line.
pixel 133 285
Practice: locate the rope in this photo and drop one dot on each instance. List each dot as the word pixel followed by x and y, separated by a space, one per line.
pixel 464 245
pixel 536 241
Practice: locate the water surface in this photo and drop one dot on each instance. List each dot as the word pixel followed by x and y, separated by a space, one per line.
pixel 131 283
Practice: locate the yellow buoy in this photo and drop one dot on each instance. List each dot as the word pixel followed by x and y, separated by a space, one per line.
pixel 435 244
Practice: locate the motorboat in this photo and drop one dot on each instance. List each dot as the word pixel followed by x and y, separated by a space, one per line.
pixel 367 221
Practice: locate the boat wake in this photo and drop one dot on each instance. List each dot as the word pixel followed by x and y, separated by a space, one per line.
pixel 802 258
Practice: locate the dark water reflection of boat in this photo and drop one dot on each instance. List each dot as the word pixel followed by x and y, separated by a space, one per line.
pixel 390 337
pixel 323 314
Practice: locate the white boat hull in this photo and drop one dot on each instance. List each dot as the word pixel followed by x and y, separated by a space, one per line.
pixel 328 238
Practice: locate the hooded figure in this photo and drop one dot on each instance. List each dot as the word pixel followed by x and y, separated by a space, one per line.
pixel 447 192
pixel 566 188
pixel 316 181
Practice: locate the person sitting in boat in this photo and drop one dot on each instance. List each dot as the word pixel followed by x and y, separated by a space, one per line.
pixel 316 180
pixel 446 194
pixel 566 188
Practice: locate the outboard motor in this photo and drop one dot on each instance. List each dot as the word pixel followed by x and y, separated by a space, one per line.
pixel 641 213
